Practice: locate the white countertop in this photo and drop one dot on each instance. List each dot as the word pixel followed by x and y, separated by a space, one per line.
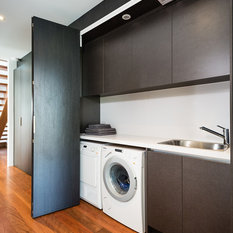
pixel 152 143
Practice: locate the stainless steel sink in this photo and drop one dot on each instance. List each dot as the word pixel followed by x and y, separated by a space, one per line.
pixel 195 144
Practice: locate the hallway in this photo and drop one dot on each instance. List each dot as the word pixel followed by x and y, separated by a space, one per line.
pixel 15 209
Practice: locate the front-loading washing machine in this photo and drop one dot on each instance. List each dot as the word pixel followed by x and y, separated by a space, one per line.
pixel 123 185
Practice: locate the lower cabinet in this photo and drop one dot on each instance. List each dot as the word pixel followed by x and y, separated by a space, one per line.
pixel 206 196
pixel 187 195
pixel 164 192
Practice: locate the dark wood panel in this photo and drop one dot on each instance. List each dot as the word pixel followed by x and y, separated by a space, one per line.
pixel 56 74
pixel 17 114
pixel 89 111
pixel 118 51
pixel 164 192
pixel 152 49
pixel 201 39
pixel 137 56
pixel 206 197
pixel 26 113
pixel 93 64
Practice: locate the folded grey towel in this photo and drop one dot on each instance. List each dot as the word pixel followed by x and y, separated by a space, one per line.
pixel 100 129
pixel 99 126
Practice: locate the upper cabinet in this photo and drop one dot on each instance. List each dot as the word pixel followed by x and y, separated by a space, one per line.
pixel 138 55
pixel 93 68
pixel 118 61
pixel 185 43
pixel 201 39
pixel 151 40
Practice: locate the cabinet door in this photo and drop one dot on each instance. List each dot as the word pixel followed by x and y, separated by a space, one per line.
pixel 118 61
pixel 18 160
pixel 23 115
pixel 151 40
pixel 93 59
pixel 201 39
pixel 206 196
pixel 164 192
pixel 56 75
pixel 26 113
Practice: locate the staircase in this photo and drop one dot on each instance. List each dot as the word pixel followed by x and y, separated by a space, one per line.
pixel 3 102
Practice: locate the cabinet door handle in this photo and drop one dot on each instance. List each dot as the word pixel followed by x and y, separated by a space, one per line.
pixel 20 121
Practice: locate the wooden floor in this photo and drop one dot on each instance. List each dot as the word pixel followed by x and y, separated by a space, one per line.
pixel 15 205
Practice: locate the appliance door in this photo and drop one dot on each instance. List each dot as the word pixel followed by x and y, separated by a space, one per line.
pixel 89 169
pixel 119 179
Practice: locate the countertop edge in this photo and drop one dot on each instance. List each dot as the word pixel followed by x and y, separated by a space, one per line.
pixel 152 144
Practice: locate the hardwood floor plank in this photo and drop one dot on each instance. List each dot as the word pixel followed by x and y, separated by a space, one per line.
pixel 83 219
pixel 15 209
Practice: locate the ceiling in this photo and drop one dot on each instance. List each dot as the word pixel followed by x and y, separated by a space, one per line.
pixel 15 30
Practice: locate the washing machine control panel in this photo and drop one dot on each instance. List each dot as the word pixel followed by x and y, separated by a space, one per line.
pixel 133 157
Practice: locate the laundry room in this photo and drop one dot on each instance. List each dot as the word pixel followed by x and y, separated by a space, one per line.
pixel 117 116
pixel 166 92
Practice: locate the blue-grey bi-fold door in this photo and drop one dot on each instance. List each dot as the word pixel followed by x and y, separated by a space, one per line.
pixel 56 78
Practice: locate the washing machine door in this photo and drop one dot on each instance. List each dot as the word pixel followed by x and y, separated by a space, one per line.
pixel 119 179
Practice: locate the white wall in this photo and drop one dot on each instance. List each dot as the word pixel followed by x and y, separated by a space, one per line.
pixel 10 145
pixel 170 113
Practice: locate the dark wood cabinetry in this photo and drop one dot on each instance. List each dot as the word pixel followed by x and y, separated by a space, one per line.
pixel 206 196
pixel 23 115
pixel 201 39
pixel 152 52
pixel 187 195
pixel 185 43
pixel 118 61
pixel 93 68
pixel 138 55
pixel 56 107
pixel 164 192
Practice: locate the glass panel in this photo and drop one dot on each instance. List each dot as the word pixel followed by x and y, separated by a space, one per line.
pixel 120 179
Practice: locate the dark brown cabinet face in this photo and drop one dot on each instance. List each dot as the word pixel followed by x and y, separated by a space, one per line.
pixel 206 196
pixel 201 39
pixel 93 68
pixel 187 195
pixel 151 39
pixel 182 44
pixel 118 61
pixel 164 192
pixel 138 55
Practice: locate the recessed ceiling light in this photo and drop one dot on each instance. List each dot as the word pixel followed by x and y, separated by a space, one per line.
pixel 126 17
pixel 2 18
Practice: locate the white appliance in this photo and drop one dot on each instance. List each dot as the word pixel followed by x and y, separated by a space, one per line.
pixel 91 173
pixel 123 185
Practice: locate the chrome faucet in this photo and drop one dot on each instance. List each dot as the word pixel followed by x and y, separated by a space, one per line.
pixel 225 135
